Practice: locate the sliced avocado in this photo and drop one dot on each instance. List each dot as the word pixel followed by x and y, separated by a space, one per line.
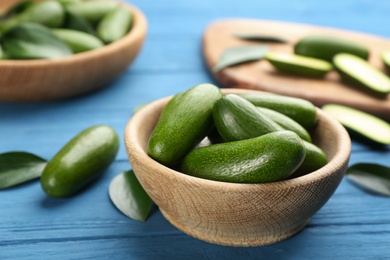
pixel 360 73
pixel 366 125
pixel 386 59
pixel 298 65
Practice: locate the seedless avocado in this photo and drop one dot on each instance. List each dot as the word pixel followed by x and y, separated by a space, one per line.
pixel 184 122
pixel 360 73
pixel 298 64
pixel 286 123
pixel 267 158
pixel 236 119
pixel 80 161
pixel 386 59
pixel 301 110
pixel 326 47
pixel 359 122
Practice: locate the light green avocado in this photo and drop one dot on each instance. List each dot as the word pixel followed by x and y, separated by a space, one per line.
pixel 47 13
pixel 361 123
pixel 325 47
pixel 267 158
pixel 80 161
pixel 360 73
pixel 114 25
pixel 386 59
pixel 184 122
pixel 298 65
pixel 78 41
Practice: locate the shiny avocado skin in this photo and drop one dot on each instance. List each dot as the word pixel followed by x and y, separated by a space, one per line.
pixel 236 119
pixel 300 110
pixel 326 46
pixel 80 161
pixel 267 158
pixel 184 122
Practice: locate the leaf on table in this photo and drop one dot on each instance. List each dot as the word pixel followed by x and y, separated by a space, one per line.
pixel 240 54
pixel 371 177
pixel 127 194
pixel 19 167
pixel 260 37
pixel 33 41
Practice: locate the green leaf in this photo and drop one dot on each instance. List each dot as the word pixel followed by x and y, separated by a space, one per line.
pixel 33 41
pixel 240 54
pixel 260 37
pixel 129 197
pixel 371 177
pixel 19 167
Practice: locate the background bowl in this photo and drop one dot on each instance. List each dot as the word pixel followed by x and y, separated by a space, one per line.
pixel 237 214
pixel 41 80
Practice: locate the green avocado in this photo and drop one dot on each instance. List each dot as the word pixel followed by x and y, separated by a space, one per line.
pixel 236 119
pixel 386 59
pixel 267 158
pixel 78 41
pixel 47 13
pixel 315 159
pixel 358 72
pixel 184 122
pixel 300 110
pixel 360 123
pixel 114 25
pixel 325 47
pixel 80 161
pixel 92 11
pixel 286 123
pixel 298 64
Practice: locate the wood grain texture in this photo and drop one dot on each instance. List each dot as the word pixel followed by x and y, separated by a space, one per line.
pixel 262 76
pixel 237 214
pixel 42 80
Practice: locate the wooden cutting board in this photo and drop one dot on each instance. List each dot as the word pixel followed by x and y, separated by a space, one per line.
pixel 261 75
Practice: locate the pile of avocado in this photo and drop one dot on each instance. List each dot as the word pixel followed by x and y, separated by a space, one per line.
pixel 50 29
pixel 255 138
pixel 316 55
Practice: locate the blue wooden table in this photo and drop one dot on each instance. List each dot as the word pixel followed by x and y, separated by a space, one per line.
pixel 352 225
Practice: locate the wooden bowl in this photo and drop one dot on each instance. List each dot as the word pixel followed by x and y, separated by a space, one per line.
pixel 42 80
pixel 237 214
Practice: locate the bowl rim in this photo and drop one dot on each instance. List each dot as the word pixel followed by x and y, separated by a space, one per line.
pixel 138 30
pixel 134 149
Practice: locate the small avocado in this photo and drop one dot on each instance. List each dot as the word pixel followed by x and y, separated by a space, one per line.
pixel 325 47
pixel 286 123
pixel 236 119
pixel 300 110
pixel 358 122
pixel 183 123
pixel 358 72
pixel 298 64
pixel 267 158
pixel 80 161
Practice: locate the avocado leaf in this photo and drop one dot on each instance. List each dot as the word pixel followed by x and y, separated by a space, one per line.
pixel 19 167
pixel 127 194
pixel 374 178
pixel 240 54
pixel 260 37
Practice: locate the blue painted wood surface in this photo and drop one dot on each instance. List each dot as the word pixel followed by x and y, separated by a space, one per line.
pixel 352 225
